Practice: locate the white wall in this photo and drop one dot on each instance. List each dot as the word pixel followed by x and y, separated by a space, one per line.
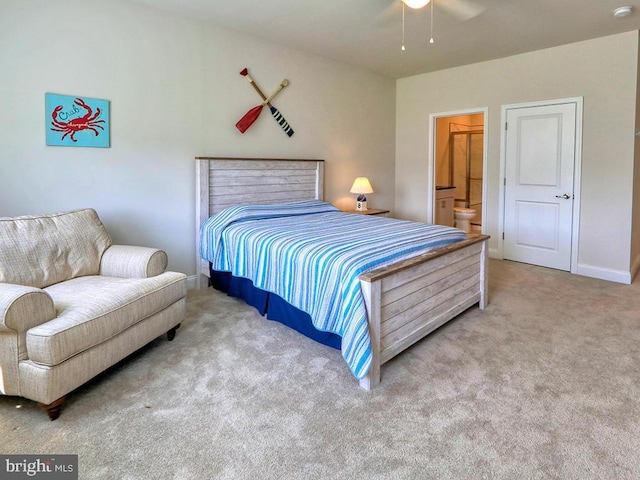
pixel 175 93
pixel 635 236
pixel 332 108
pixel 603 71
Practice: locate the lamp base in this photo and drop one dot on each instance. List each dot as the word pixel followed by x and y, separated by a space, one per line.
pixel 361 203
pixel 361 206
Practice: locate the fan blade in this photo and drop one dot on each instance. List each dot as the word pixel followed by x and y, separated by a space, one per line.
pixel 461 9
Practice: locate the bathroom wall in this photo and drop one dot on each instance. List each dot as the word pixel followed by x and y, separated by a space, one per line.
pixel 444 127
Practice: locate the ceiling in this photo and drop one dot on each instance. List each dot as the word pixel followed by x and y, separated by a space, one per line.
pixel 368 33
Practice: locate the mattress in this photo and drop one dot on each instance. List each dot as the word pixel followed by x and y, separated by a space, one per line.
pixel 311 254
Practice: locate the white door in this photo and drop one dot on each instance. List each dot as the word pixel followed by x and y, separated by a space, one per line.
pixel 539 195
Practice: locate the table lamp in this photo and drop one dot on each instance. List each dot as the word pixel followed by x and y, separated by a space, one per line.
pixel 361 186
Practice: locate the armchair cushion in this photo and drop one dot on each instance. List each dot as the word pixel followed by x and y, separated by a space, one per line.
pixel 86 320
pixel 39 251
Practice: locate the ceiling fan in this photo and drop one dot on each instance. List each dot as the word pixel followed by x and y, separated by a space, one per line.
pixel 461 9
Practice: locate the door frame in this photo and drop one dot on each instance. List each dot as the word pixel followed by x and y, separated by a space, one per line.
pixel 431 183
pixel 577 172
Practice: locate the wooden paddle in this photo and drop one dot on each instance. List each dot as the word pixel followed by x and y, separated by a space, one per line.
pixel 274 111
pixel 252 115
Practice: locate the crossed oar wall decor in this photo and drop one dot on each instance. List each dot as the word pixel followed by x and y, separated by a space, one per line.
pixel 252 115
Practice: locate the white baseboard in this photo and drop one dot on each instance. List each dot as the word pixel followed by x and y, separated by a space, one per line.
pixel 192 282
pixel 619 276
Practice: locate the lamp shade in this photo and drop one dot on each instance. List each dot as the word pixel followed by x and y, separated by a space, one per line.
pixel 361 185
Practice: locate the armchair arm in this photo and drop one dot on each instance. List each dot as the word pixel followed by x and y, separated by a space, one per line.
pixel 22 308
pixel 127 261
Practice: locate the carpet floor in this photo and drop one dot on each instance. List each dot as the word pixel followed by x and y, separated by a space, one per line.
pixel 543 384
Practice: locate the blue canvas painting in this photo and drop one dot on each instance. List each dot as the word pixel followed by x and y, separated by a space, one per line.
pixel 74 121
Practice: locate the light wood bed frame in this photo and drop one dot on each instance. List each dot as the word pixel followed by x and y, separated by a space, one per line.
pixel 405 301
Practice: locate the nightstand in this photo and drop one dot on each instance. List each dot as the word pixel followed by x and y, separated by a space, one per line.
pixel 370 211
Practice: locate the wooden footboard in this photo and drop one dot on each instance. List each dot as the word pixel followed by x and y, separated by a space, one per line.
pixel 408 300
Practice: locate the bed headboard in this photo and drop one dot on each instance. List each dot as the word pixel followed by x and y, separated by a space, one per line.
pixel 223 182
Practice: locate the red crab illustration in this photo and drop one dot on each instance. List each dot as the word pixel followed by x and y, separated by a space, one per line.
pixel 88 122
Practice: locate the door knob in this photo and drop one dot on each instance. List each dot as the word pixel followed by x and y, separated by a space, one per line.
pixel 566 196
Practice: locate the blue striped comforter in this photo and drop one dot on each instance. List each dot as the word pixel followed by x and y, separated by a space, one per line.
pixel 311 254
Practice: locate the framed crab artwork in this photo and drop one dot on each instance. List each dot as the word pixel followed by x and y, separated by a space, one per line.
pixel 75 121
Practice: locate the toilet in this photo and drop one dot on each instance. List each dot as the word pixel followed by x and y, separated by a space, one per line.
pixel 463 218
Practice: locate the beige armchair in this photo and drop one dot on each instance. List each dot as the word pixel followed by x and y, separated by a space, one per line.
pixel 72 304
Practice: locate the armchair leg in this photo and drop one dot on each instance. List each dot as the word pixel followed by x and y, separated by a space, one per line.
pixel 54 408
pixel 171 334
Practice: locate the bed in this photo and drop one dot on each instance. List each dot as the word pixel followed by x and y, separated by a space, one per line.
pixel 403 300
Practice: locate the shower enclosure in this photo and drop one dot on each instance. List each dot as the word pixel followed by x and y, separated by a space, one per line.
pixel 465 169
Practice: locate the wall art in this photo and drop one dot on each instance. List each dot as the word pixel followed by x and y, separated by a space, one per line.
pixel 75 121
pixel 247 120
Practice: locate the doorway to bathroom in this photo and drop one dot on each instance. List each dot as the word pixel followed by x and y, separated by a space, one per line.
pixel 459 151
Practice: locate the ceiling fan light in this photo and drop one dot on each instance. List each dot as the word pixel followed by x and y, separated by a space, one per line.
pixel 623 11
pixel 416 3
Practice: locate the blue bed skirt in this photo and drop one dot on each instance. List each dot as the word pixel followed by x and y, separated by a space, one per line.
pixel 273 306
